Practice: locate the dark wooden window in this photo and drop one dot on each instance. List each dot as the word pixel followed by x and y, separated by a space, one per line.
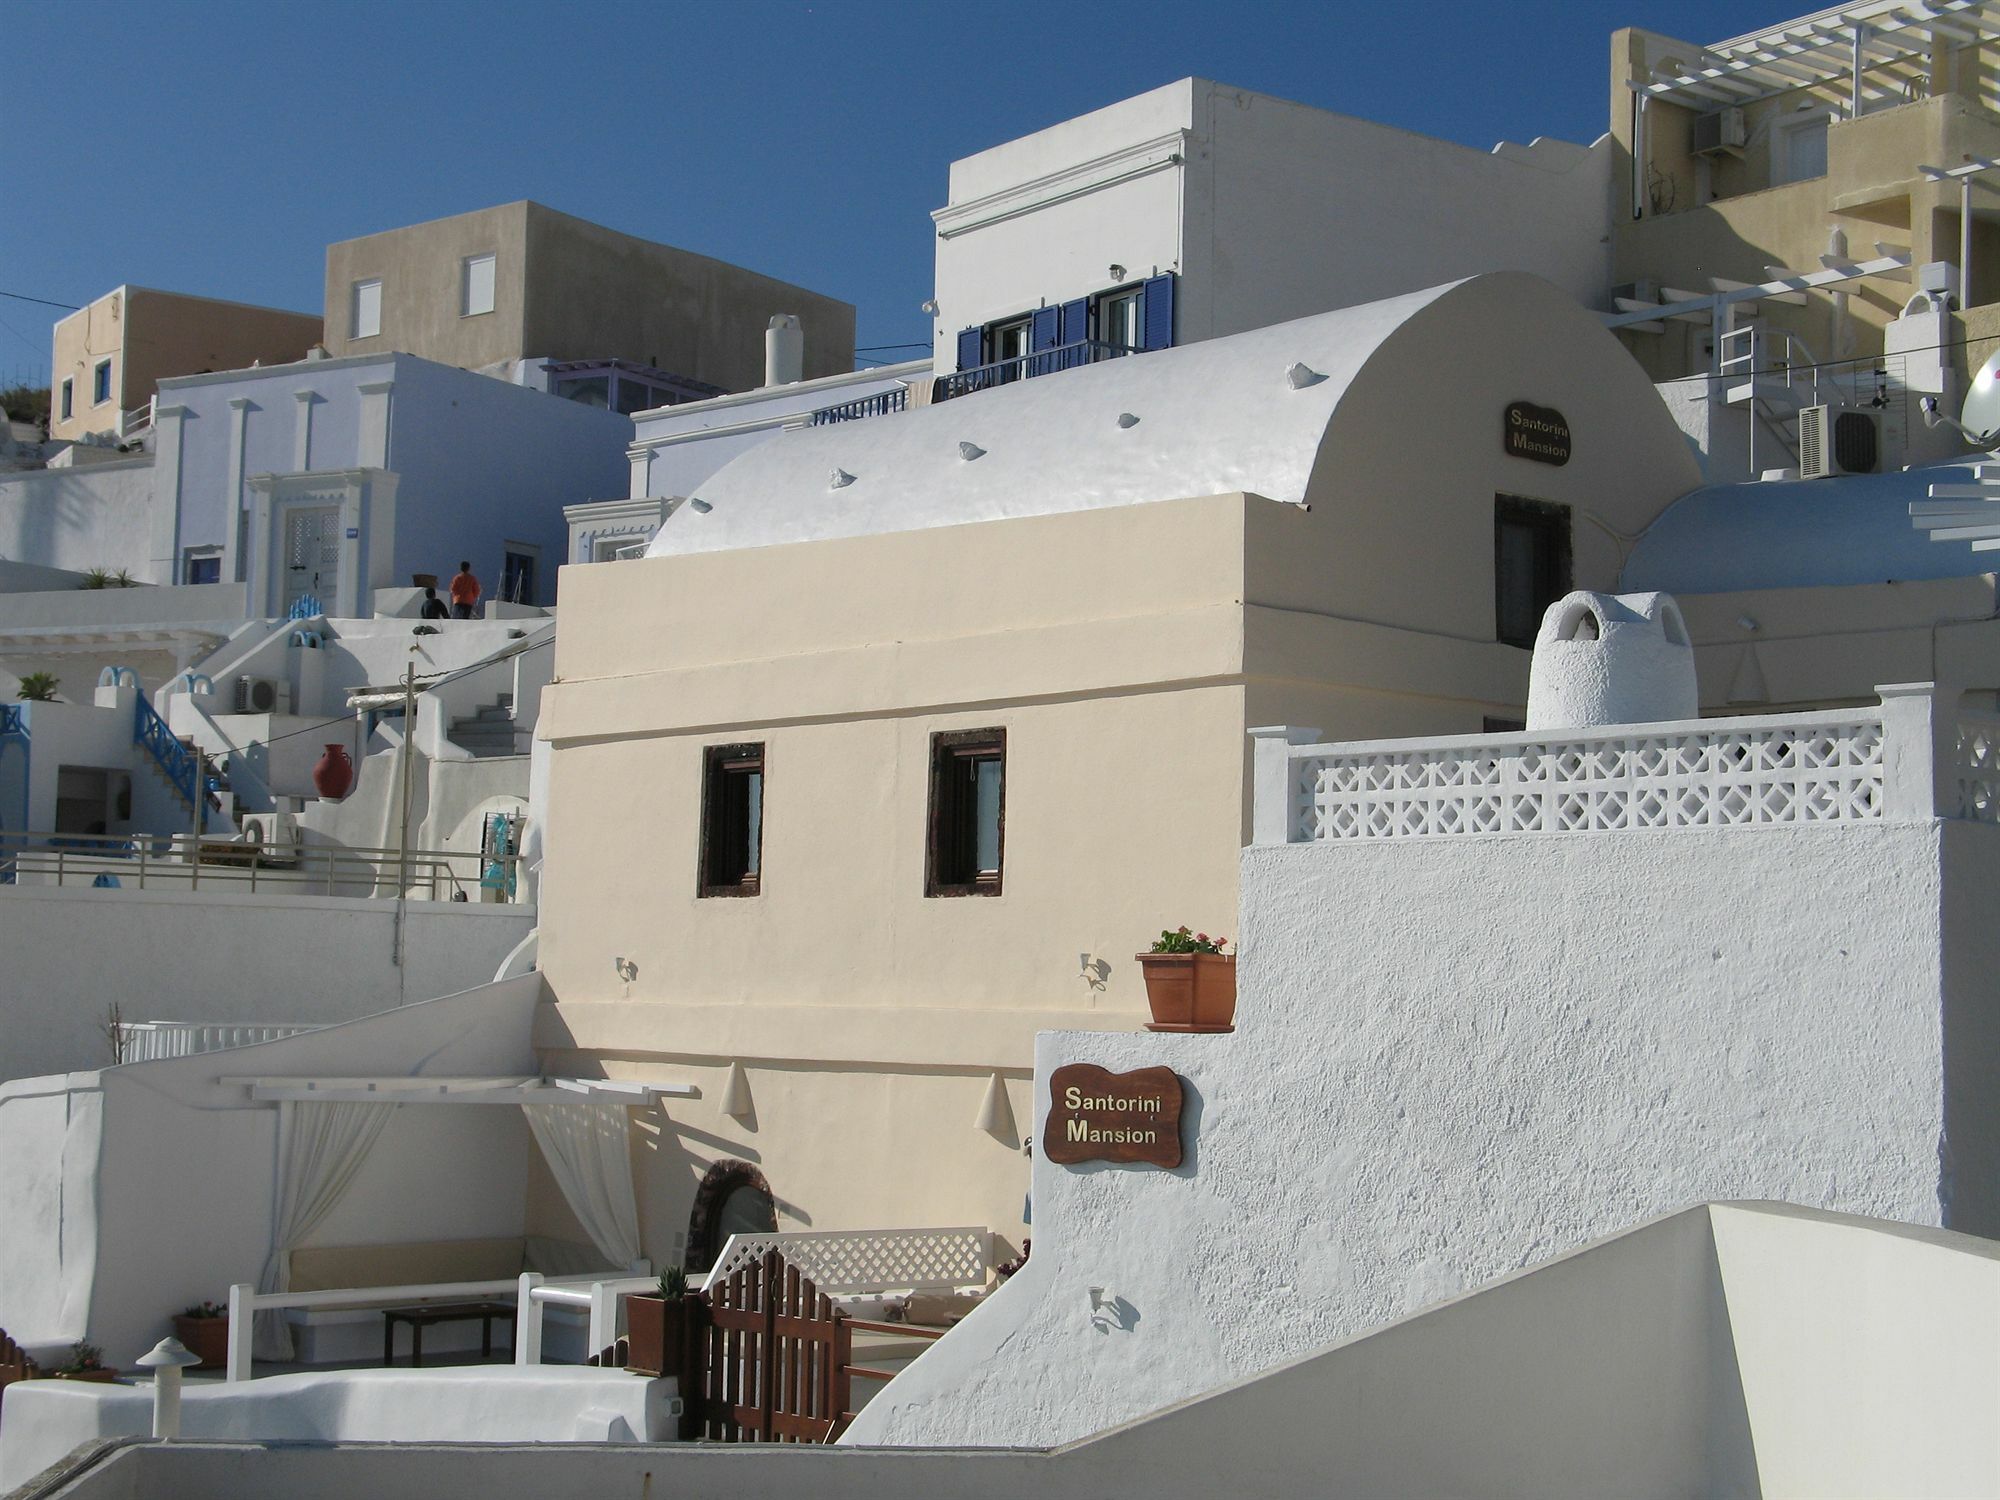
pixel 1531 565
pixel 732 820
pixel 968 813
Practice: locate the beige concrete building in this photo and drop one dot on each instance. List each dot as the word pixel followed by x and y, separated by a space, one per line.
pixel 109 358
pixel 522 285
pixel 1799 149
pixel 911 731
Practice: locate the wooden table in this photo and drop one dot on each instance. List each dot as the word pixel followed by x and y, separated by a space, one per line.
pixel 422 1316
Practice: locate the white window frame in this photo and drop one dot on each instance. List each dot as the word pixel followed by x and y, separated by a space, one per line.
pixel 490 259
pixel 1106 303
pixel 355 295
pixel 66 406
pixel 1786 130
pixel 101 367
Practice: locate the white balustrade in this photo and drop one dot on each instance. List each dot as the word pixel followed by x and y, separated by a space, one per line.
pixel 534 1294
pixel 841 1262
pixel 148 1041
pixel 1914 756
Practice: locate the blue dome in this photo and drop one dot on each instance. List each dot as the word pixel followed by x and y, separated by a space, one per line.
pixel 1800 534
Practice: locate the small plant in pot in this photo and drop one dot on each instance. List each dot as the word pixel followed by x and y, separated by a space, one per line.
pixel 86 1362
pixel 1190 982
pixel 656 1327
pixel 204 1329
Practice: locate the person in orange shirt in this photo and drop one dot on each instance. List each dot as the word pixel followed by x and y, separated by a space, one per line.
pixel 464 593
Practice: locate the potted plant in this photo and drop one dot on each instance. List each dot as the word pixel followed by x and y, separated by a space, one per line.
pixel 204 1329
pixel 86 1362
pixel 656 1327
pixel 38 687
pixel 1190 982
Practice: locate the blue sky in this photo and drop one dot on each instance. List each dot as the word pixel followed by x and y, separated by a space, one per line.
pixel 217 147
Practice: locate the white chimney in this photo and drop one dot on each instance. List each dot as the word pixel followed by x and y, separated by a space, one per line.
pixel 784 350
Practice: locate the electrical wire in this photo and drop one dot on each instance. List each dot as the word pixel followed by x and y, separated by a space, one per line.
pixel 24 297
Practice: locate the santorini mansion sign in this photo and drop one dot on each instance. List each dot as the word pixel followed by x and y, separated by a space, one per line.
pixel 1537 432
pixel 1095 1115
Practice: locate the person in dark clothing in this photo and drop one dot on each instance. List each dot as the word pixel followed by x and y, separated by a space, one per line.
pixel 434 607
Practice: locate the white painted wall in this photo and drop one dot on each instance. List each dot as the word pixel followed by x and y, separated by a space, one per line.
pixel 541 1405
pixel 175 955
pixel 95 517
pixel 166 1175
pixel 1456 1057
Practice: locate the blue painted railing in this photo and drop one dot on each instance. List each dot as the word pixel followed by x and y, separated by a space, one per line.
pixel 181 765
pixel 1025 367
pixel 878 405
pixel 13 721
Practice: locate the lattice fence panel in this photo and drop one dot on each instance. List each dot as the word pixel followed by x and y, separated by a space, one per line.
pixel 1978 768
pixel 1824 771
pixel 843 1261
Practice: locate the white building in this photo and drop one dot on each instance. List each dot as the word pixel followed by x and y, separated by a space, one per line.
pixel 1198 210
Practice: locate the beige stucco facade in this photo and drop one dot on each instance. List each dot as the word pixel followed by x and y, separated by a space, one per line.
pixel 1125 650
pixel 1681 219
pixel 567 289
pixel 145 337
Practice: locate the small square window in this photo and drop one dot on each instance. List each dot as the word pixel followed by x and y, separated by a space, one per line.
pixel 475 285
pixel 968 813
pixel 367 310
pixel 1531 565
pixel 68 399
pixel 201 565
pixel 100 383
pixel 732 820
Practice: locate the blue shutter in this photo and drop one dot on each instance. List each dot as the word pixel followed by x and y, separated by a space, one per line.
pixel 1160 312
pixel 969 340
pixel 1045 329
pixel 1076 321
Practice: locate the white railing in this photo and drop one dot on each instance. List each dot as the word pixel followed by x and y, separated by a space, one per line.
pixel 535 1294
pixel 138 420
pixel 1911 757
pixel 841 1262
pixel 148 1041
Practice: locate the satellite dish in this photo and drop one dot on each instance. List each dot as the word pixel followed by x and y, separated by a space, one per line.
pixel 1981 412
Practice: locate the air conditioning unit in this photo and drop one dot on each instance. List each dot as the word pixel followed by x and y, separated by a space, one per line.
pixel 279 830
pixel 1838 442
pixel 1718 132
pixel 262 695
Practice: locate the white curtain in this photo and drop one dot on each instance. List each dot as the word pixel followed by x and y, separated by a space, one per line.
pixel 320 1149
pixel 587 1148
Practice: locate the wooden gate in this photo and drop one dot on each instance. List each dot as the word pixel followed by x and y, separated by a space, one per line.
pixel 771 1359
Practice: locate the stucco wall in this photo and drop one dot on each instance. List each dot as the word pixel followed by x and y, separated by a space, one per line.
pixel 93 517
pixel 181 956
pixel 419 268
pixel 1456 1057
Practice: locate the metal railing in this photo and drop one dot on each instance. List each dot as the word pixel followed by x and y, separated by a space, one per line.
pixel 181 766
pixel 149 1041
pixel 139 420
pixel 167 862
pixel 535 1293
pixel 1026 367
pixel 878 405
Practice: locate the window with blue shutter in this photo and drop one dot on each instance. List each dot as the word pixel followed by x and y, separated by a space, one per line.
pixel 1160 312
pixel 969 340
pixel 1075 331
pixel 1044 333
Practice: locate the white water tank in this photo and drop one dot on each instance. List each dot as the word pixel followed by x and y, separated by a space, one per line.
pixel 784 350
pixel 1603 659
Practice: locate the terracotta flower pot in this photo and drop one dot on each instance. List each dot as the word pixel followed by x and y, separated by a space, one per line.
pixel 207 1337
pixel 1190 991
pixel 655 1337
pixel 333 773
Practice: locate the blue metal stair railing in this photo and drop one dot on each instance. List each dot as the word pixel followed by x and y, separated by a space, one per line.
pixel 181 766
pixel 13 731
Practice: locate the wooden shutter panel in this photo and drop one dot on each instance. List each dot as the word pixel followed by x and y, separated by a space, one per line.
pixel 1076 321
pixel 1159 313
pixel 1045 329
pixel 969 340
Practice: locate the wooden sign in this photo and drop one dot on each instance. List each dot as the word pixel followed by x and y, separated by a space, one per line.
pixel 1537 432
pixel 1095 1115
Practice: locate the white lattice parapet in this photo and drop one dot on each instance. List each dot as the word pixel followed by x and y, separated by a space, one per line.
pixel 1838 767
pixel 841 1262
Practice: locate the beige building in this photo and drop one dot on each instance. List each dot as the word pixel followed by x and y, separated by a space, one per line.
pixel 1795 150
pixel 109 358
pixel 522 285
pixel 911 731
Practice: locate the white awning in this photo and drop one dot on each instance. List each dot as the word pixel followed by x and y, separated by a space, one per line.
pixel 523 1089
pixel 1878 51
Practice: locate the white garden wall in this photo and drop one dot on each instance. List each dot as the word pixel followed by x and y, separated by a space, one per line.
pixel 1456 1057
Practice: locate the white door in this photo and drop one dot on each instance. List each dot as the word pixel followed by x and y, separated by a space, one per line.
pixel 312 554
